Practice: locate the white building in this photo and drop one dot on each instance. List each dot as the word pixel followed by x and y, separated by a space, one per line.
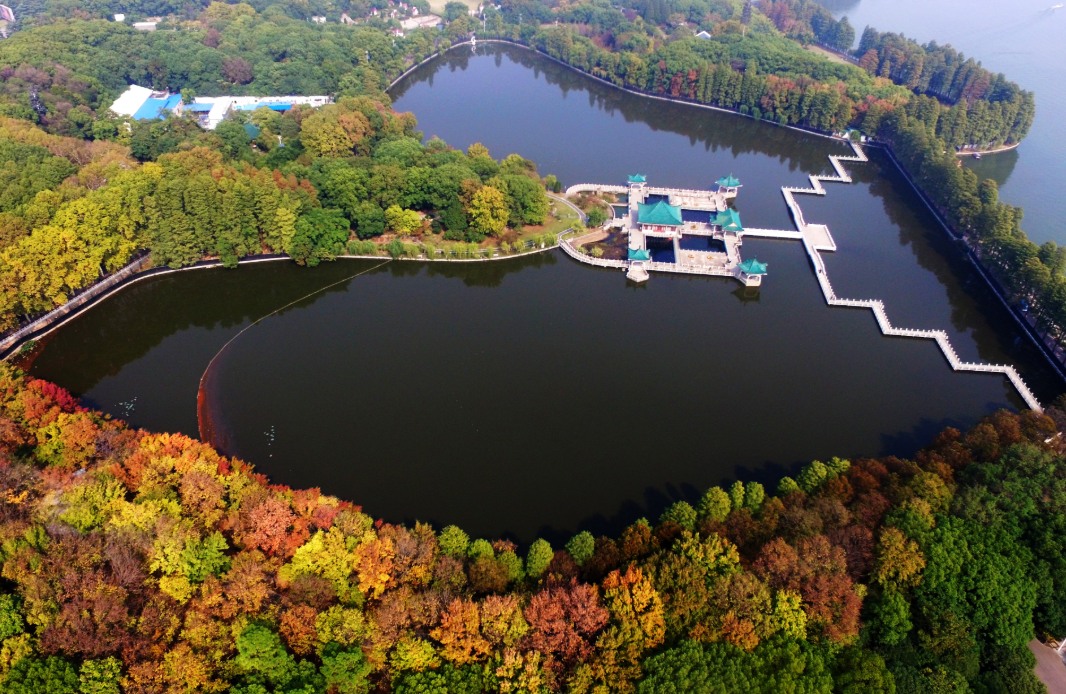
pixel 212 110
pixel 141 103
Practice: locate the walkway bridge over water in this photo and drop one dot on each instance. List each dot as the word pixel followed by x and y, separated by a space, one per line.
pixel 816 240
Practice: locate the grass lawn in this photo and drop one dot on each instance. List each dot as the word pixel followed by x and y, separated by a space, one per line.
pixel 828 54
pixel 562 217
pixel 437 6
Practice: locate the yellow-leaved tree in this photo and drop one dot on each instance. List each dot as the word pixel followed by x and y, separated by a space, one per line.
pixel 488 211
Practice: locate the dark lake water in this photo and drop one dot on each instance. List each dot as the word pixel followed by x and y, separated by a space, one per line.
pixel 1025 40
pixel 538 395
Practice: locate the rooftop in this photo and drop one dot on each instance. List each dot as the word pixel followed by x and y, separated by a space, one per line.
pixel 751 266
pixel 729 181
pixel 729 220
pixel 661 213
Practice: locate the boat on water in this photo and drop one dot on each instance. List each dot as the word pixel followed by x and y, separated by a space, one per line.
pixel 976 155
pixel 1056 7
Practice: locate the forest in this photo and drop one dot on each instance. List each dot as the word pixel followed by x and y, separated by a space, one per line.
pixel 144 562
pixel 133 561
pixel 85 192
pixel 351 178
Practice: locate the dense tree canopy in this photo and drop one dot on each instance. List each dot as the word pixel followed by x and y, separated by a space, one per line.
pixel 137 562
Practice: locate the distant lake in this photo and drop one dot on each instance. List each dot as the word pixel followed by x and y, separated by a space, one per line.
pixel 539 395
pixel 1025 40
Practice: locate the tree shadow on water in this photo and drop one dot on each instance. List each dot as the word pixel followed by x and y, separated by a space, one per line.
pixel 905 444
pixel 488 273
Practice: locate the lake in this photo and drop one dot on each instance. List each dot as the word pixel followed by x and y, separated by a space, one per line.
pixel 537 395
pixel 1025 40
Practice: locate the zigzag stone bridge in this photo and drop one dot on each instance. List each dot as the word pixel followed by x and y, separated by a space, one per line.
pixel 816 240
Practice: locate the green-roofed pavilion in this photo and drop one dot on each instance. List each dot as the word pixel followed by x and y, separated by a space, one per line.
pixel 751 266
pixel 638 178
pixel 729 181
pixel 660 213
pixel 729 220
pixel 639 254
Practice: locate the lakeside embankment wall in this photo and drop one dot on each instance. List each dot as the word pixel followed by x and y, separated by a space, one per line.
pixel 133 272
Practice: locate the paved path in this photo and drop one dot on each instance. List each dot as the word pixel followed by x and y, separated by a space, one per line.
pixel 1049 667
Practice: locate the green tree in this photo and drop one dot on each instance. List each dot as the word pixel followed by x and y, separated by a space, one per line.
pixel 597 216
pixel 754 495
pixel 777 664
pixel 453 541
pixel 786 486
pixel 890 617
pixel 479 549
pixel 682 513
pixel 455 10
pixel 369 220
pixel 859 671
pixel 320 235
pixel 715 505
pixel 812 476
pixel 52 675
pixel 540 555
pixel 736 495
pixel 235 138
pixel 101 676
pixel 581 547
pixel 261 655
pixel 11 621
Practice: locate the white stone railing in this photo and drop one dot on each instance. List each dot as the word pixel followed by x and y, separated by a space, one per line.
pixel 876 305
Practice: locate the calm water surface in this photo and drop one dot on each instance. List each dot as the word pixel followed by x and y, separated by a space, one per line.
pixel 1025 40
pixel 537 395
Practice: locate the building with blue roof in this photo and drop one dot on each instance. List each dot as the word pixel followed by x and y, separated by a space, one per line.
pixel 141 103
pixel 157 108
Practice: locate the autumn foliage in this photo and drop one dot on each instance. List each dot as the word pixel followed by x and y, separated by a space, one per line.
pixel 148 562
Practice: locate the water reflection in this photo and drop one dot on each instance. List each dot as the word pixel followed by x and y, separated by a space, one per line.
pixel 538 394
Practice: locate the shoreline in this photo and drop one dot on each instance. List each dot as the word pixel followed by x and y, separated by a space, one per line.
pixel 41 326
pixel 1056 364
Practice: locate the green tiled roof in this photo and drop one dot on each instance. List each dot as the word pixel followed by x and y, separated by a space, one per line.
pixel 638 178
pixel 638 254
pixel 661 213
pixel 728 182
pixel 751 266
pixel 729 220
